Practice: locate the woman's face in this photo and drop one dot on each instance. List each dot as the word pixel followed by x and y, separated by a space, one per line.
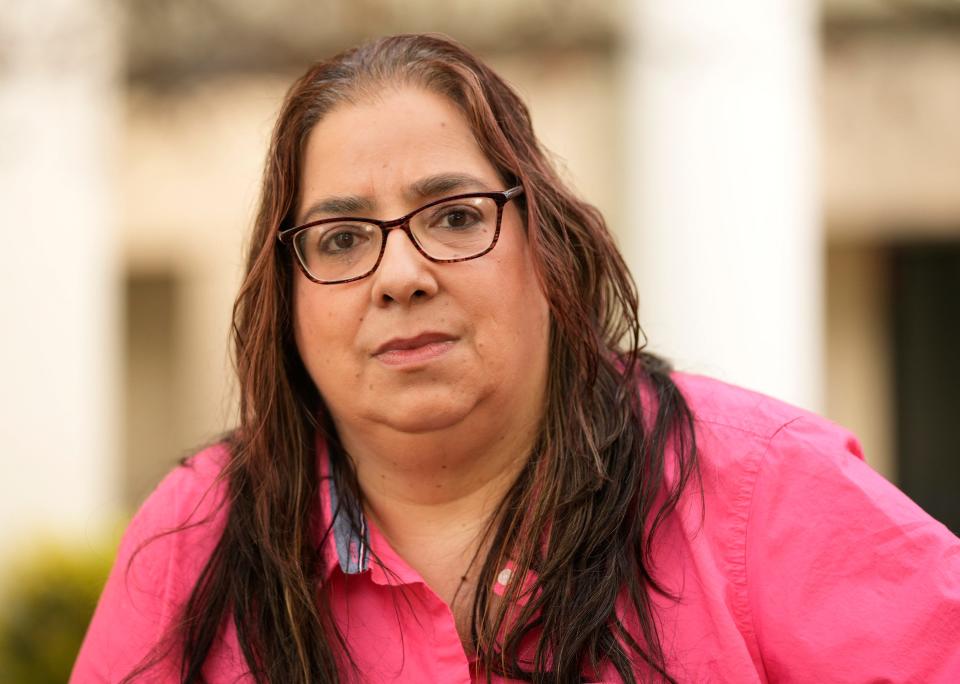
pixel 417 346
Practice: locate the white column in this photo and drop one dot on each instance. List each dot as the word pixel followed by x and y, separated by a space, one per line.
pixel 58 280
pixel 726 246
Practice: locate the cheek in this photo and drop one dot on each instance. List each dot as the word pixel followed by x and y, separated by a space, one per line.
pixel 320 331
pixel 304 327
pixel 518 310
pixel 522 275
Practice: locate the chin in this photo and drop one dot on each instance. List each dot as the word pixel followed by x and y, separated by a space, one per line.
pixel 423 422
pixel 437 413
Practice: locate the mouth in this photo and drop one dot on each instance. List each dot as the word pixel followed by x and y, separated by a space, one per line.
pixel 407 350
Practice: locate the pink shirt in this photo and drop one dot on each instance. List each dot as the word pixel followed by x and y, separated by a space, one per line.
pixel 807 566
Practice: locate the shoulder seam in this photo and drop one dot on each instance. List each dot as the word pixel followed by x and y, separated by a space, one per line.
pixel 744 610
pixel 766 435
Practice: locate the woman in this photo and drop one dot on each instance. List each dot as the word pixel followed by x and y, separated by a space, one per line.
pixel 453 462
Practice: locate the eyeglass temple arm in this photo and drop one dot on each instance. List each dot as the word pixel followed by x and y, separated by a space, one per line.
pixel 512 192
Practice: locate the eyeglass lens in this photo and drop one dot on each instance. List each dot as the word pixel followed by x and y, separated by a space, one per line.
pixel 458 229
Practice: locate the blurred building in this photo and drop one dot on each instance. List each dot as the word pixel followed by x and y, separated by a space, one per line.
pixel 187 93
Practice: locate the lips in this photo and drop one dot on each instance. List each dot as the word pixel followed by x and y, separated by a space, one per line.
pixel 412 353
pixel 401 344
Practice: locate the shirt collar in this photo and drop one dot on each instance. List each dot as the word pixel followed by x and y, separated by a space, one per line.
pixel 349 547
pixel 346 546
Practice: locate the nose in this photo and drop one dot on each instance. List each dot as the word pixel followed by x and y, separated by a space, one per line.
pixel 404 275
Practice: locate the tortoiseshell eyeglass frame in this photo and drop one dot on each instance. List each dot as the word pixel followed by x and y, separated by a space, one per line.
pixel 287 236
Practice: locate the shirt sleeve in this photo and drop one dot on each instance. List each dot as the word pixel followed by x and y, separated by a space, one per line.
pixel 155 568
pixel 848 580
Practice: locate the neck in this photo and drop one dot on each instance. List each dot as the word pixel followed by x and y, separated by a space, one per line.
pixel 445 470
pixel 438 490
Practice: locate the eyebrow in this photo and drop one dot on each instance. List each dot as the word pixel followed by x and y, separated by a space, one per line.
pixel 421 190
pixel 446 183
pixel 344 205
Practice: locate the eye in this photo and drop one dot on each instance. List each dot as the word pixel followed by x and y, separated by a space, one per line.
pixel 457 218
pixel 341 239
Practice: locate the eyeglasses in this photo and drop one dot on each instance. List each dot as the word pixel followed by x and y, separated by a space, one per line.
pixel 457 228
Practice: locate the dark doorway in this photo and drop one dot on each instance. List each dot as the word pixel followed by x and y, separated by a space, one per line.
pixel 926 321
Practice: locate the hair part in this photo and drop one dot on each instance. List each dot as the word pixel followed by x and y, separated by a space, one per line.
pixel 596 480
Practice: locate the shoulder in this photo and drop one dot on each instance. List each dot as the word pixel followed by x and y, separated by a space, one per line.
pixel 181 521
pixel 765 463
pixel 733 424
pixel 173 532
pixel 162 554
pixel 190 492
pixel 827 562
pixel 721 404
pixel 786 462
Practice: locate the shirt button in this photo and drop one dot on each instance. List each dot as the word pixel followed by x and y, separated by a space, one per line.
pixel 503 578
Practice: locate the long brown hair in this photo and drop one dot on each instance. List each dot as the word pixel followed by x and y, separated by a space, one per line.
pixel 595 480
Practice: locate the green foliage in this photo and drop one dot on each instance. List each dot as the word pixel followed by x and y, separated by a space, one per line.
pixel 47 603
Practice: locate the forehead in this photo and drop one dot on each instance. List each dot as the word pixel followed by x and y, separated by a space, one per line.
pixel 378 148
